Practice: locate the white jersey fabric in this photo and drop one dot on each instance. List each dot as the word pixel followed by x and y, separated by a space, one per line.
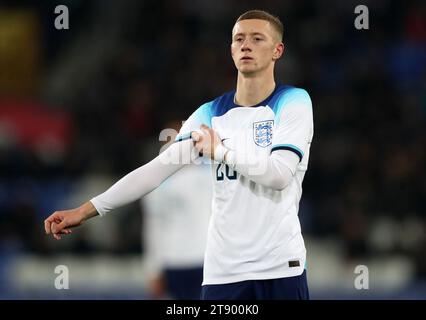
pixel 254 232
pixel 181 204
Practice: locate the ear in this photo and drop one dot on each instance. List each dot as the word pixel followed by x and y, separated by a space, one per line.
pixel 278 52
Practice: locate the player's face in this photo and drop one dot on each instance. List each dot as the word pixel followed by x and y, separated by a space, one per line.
pixel 255 46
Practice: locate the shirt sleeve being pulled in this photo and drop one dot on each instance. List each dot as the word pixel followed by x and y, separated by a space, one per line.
pixel 145 178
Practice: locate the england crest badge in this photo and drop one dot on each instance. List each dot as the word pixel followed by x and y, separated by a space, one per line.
pixel 262 133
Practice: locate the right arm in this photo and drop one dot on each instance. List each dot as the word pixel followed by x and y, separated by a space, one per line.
pixel 128 189
pixel 146 178
pixel 135 184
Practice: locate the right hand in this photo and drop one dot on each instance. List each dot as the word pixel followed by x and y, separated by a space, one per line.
pixel 61 222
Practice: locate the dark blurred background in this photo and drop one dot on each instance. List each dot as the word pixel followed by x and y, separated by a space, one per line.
pixel 79 108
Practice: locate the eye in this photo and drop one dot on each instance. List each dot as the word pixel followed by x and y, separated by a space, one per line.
pixel 258 39
pixel 239 39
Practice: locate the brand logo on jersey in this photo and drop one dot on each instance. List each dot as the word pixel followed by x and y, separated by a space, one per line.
pixel 262 133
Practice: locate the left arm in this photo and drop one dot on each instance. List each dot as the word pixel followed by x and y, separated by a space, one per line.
pixel 274 171
pixel 293 133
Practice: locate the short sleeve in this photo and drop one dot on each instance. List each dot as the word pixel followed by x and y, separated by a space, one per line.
pixel 293 122
pixel 201 116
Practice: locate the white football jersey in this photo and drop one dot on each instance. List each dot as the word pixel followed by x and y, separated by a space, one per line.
pixel 179 204
pixel 254 231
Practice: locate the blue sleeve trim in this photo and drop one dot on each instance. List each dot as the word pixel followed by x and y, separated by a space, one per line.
pixel 183 137
pixel 287 96
pixel 288 147
pixel 204 114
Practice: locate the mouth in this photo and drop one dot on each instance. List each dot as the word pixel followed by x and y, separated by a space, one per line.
pixel 246 59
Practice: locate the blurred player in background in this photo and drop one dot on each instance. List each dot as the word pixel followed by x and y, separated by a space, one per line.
pixel 175 231
pixel 259 136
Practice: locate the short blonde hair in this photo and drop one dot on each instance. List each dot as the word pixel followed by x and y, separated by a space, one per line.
pixel 263 15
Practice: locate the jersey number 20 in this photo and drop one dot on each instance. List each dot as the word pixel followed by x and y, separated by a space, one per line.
pixel 230 174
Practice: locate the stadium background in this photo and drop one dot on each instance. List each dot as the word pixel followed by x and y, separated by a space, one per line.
pixel 79 108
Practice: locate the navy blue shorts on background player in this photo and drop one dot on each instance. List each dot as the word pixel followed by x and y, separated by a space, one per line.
pixel 291 288
pixel 184 284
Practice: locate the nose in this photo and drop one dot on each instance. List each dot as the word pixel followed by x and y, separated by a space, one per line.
pixel 246 45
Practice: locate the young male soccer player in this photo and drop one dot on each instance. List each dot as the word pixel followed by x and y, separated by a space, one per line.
pixel 259 136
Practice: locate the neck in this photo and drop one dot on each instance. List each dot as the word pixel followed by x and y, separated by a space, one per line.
pixel 252 90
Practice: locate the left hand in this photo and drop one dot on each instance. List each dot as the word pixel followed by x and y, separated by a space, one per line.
pixel 207 141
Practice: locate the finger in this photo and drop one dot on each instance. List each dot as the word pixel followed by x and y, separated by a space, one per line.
pixel 66 231
pixel 57 227
pixel 195 136
pixel 205 129
pixel 197 145
pixel 57 219
pixel 48 223
pixel 47 226
pixel 57 236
